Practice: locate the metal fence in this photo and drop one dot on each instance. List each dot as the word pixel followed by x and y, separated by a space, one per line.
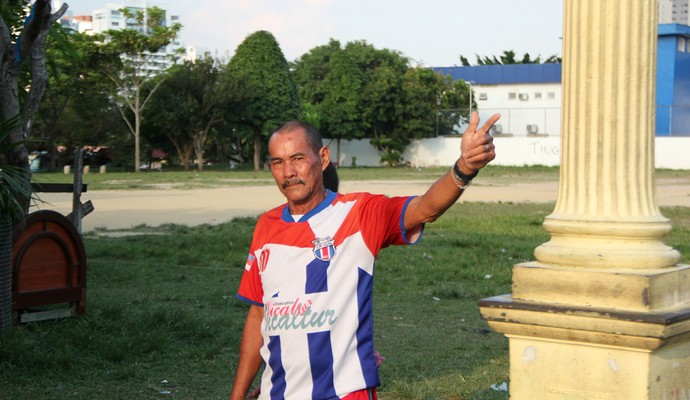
pixel 673 120
pixel 514 121
pixel 670 121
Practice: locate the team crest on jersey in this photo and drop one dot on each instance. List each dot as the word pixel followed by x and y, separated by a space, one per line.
pixel 324 248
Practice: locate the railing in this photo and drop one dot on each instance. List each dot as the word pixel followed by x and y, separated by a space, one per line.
pixel 530 122
pixel 673 120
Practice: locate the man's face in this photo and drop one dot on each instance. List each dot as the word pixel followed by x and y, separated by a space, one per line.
pixel 297 169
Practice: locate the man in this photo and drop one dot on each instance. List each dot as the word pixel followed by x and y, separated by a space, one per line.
pixel 309 272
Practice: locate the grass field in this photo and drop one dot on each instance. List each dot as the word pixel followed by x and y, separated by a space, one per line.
pixel 162 321
pixel 215 177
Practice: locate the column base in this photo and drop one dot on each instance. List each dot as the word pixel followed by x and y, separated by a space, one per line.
pixel 635 290
pixel 583 353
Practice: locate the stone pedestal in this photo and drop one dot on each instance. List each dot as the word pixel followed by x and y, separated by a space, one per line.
pixel 563 352
pixel 604 311
pixel 620 289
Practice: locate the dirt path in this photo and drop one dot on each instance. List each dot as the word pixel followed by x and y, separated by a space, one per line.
pixel 126 209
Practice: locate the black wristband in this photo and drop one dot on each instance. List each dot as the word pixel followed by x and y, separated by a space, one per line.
pixel 465 178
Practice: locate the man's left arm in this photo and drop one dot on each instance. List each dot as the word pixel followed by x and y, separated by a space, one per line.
pixel 476 151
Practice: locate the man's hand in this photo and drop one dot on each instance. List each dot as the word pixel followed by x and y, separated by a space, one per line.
pixel 476 147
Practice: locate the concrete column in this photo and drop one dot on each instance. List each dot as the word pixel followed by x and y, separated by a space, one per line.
pixel 607 165
pixel 604 311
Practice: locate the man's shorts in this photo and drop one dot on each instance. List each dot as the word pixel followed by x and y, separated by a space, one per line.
pixel 364 394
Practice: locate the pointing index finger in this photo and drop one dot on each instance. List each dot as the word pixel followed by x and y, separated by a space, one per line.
pixel 490 122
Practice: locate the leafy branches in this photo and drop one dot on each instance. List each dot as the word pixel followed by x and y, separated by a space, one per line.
pixel 21 44
pixel 14 182
pixel 509 57
pixel 269 93
pixel 138 49
pixel 188 105
pixel 358 91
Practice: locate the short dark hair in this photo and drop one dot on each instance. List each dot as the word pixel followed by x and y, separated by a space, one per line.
pixel 314 139
pixel 330 178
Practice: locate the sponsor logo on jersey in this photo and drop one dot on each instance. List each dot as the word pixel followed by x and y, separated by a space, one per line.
pixel 297 314
pixel 324 248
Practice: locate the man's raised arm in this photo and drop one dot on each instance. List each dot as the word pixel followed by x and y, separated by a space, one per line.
pixel 476 151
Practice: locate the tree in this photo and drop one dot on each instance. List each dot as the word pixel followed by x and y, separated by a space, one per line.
pixel 508 57
pixel 76 109
pixel 425 93
pixel 312 68
pixel 23 41
pixel 341 110
pixel 138 51
pixel 262 79
pixel 352 90
pixel 23 46
pixel 359 91
pixel 189 103
pixel 430 104
pixel 384 93
pixel 330 85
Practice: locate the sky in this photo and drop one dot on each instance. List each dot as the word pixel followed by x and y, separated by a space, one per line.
pixel 429 32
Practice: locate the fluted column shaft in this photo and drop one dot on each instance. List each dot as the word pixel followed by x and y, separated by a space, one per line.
pixel 604 312
pixel 606 213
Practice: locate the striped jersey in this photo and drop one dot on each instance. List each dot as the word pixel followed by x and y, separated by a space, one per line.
pixel 314 280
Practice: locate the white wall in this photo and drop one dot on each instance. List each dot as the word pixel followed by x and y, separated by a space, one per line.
pixel 537 104
pixel 670 152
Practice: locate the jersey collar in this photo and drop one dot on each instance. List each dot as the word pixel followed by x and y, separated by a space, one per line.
pixel 330 196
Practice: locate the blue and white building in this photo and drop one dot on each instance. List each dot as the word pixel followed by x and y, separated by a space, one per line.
pixel 528 97
pixel 673 80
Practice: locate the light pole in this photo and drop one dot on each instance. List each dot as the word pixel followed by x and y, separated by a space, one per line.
pixel 470 85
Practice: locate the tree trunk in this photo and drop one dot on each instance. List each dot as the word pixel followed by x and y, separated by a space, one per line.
pixel 199 143
pixel 5 272
pixel 257 150
pixel 137 130
pixel 31 43
pixel 183 152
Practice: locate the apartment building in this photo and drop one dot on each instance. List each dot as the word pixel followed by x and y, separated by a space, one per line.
pixel 110 17
pixel 674 12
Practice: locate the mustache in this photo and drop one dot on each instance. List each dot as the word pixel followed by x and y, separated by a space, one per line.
pixel 291 182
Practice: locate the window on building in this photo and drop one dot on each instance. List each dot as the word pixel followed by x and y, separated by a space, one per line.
pixel 681 44
pixel 512 96
pixel 114 24
pixel 537 95
pixel 482 96
pixel 115 13
pixel 551 95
